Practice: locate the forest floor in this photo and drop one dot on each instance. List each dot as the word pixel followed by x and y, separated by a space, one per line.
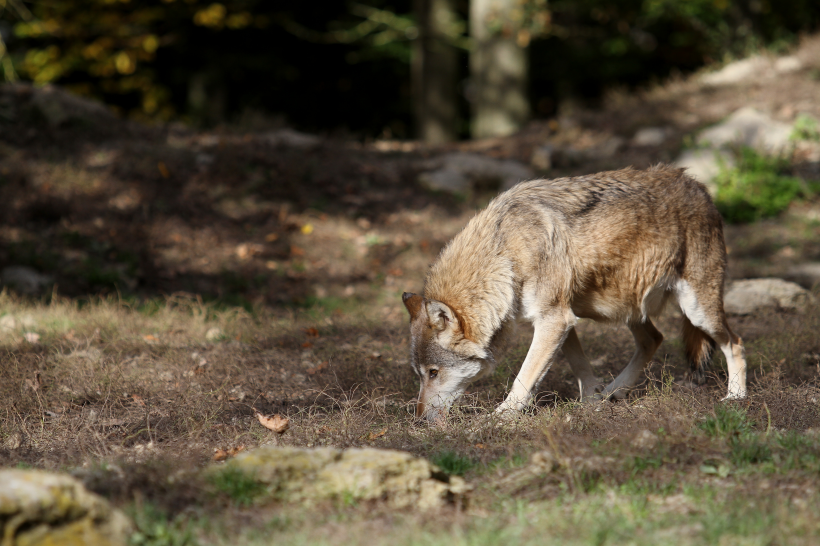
pixel 196 277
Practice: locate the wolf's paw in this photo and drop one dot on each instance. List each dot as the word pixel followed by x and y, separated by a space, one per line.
pixel 593 394
pixel 734 396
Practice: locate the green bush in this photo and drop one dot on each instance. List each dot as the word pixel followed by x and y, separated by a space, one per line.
pixel 758 187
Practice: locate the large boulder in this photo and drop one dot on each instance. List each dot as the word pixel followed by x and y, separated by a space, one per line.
pixel 750 295
pixel 39 509
pixel 306 475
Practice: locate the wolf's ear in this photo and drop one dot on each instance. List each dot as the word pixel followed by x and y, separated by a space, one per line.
pixel 441 317
pixel 413 303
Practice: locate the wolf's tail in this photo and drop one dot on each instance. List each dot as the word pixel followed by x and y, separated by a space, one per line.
pixel 699 349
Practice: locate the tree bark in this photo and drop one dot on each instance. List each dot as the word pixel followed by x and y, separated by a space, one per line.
pixel 435 72
pixel 498 71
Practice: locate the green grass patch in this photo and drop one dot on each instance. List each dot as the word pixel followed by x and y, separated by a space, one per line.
pixel 728 420
pixel 237 484
pixel 155 528
pixel 452 463
pixel 758 187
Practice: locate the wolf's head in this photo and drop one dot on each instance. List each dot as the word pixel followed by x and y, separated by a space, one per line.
pixel 442 355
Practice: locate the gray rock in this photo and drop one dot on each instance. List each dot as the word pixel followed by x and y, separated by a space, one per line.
pixel 460 172
pixel 650 136
pixel 745 127
pixel 737 72
pixel 40 508
pixel 748 127
pixel 704 165
pixel 750 295
pixel 24 279
pixel 787 64
pixel 309 475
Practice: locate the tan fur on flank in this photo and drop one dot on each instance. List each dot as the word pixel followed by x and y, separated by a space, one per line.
pixel 613 246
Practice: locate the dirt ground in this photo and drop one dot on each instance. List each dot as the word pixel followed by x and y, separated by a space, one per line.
pixel 200 277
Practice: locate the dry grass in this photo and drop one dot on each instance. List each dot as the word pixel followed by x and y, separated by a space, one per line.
pixel 136 398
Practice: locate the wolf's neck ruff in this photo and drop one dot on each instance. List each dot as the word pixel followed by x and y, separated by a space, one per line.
pixel 480 292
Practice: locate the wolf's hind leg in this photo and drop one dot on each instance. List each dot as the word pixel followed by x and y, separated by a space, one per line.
pixel 647 341
pixel 588 384
pixel 704 309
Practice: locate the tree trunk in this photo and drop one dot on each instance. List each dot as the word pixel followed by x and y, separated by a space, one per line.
pixel 435 72
pixel 498 71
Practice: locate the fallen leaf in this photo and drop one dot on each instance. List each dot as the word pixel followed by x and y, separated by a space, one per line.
pixel 220 454
pixel 373 435
pixel 312 332
pixel 318 368
pixel 150 339
pixel 296 251
pixel 396 272
pixel 163 169
pixel 307 229
pixel 307 344
pixel 138 399
pixel 479 446
pixel 271 237
pixel 234 451
pixel 276 423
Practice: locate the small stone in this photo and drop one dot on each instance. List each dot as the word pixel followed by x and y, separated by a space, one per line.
pixel 650 136
pixel 736 72
pixel 645 439
pixel 784 65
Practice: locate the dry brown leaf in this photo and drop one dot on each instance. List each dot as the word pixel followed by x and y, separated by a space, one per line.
pixel 307 344
pixel 276 423
pixel 373 435
pixel 312 332
pixel 220 454
pixel 138 399
pixel 150 339
pixel 296 251
pixel 234 451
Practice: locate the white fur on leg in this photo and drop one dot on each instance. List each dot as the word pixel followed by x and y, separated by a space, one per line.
pixel 736 370
pixel 549 336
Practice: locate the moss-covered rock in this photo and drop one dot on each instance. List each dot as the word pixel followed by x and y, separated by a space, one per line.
pixel 43 509
pixel 397 477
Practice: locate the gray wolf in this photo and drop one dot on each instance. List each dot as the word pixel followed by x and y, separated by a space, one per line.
pixel 613 246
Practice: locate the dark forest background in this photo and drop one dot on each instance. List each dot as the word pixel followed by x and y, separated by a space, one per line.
pixel 346 66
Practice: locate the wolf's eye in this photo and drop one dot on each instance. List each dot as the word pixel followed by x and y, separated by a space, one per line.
pixel 433 374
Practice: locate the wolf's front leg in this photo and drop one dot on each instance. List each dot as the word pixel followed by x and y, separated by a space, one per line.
pixel 549 336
